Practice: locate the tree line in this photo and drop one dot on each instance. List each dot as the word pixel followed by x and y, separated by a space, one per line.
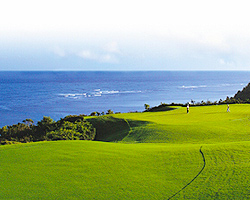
pixel 71 127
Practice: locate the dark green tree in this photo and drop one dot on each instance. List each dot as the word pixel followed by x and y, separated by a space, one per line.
pixel 146 106
pixel 110 112
pixel 43 127
pixel 29 122
pixel 93 114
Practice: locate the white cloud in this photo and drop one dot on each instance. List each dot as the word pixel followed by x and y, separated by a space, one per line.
pixel 59 51
pixel 227 63
pixel 108 58
pixel 87 54
pixel 222 61
pixel 112 47
pixel 99 57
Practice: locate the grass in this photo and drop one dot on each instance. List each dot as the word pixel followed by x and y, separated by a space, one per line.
pixel 205 124
pixel 226 175
pixel 155 155
pixel 95 170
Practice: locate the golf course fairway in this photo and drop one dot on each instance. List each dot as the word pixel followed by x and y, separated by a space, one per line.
pixel 152 155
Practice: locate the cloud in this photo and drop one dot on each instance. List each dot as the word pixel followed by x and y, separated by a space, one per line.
pixel 176 34
pixel 224 62
pixel 99 57
pixel 108 58
pixel 112 47
pixel 87 54
pixel 59 51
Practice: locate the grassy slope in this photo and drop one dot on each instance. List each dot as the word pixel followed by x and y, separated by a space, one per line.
pixel 226 175
pixel 98 170
pixel 109 128
pixel 206 124
pixel 95 170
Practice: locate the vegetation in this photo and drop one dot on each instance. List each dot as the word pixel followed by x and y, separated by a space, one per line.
pixel 146 106
pixel 243 95
pixel 228 100
pixel 203 124
pixel 110 112
pixel 71 127
pixel 239 98
pixel 150 155
pixel 157 155
pixel 162 107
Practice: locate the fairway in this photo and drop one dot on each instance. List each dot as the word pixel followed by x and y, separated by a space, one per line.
pixel 204 124
pixel 146 156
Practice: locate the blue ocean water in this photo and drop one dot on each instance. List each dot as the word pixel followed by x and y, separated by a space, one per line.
pixel 57 94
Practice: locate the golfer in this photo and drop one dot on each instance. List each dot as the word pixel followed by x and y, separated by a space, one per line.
pixel 228 108
pixel 188 108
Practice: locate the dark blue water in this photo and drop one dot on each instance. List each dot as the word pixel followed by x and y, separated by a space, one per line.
pixel 57 94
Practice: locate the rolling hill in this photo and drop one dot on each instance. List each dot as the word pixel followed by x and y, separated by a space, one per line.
pixel 153 155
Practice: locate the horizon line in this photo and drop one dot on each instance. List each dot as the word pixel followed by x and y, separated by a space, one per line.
pixel 125 70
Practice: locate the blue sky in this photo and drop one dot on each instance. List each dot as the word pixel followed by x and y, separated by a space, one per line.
pixel 124 35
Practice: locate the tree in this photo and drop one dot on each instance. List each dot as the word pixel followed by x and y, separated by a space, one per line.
pixel 79 130
pixel 146 106
pixel 44 126
pixel 110 112
pixel 98 114
pixel 93 114
pixel 28 122
pixel 71 127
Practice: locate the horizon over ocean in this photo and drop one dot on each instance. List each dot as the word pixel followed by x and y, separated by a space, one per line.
pixel 34 94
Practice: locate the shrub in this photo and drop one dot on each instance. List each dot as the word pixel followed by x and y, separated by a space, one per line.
pixel 72 127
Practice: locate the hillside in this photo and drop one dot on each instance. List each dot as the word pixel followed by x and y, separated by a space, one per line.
pixel 244 94
pixel 204 124
pixel 154 155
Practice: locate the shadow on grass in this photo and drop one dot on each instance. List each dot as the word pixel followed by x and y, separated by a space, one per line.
pixel 160 108
pixel 111 129
pixel 204 164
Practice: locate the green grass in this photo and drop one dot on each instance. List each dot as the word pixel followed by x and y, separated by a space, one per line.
pixel 155 156
pixel 205 124
pixel 95 170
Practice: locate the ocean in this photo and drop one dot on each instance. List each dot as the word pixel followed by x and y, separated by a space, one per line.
pixel 57 94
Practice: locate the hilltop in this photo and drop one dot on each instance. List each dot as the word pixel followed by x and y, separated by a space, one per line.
pixel 244 94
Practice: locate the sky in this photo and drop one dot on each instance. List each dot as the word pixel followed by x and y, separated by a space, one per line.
pixel 122 35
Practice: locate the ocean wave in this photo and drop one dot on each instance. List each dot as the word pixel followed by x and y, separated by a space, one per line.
pixel 97 93
pixel 76 95
pixel 211 86
pixel 227 84
pixel 132 92
pixel 110 92
pixel 4 107
pixel 192 86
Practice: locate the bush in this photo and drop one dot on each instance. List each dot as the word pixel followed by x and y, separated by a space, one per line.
pixel 110 112
pixel 72 127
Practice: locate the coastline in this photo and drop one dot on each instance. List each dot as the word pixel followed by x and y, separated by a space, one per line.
pixel 34 94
